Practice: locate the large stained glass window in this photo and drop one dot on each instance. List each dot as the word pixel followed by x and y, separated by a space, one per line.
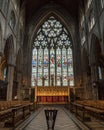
pixel 52 62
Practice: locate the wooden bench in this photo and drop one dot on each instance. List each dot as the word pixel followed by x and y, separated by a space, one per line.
pixel 89 107
pixel 12 112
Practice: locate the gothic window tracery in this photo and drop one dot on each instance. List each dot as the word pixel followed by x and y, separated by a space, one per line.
pixel 52 62
pixel 82 20
pixel 82 35
pixel 89 4
pixel 1 3
pixel 102 3
pixel 12 20
pixel 91 19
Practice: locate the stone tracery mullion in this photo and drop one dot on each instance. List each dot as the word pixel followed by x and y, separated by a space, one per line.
pixel 53 35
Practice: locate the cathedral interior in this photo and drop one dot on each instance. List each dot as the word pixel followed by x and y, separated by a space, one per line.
pixel 52 64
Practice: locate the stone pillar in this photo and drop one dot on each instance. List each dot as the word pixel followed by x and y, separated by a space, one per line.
pixel 10 82
pixel 68 93
pixel 0 59
pixel 0 63
pixel 0 56
pixel 35 100
pixel 36 97
pixel 19 85
pixel 94 82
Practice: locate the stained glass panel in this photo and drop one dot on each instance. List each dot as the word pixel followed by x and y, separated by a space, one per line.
pixel 70 67
pixel 40 61
pixel 58 57
pixel 34 67
pixel 52 66
pixel 64 67
pixel 52 62
pixel 46 66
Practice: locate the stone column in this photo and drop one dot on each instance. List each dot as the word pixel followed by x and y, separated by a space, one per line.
pixel 0 56
pixel 35 100
pixel 68 93
pixel 19 85
pixel 94 82
pixel 36 97
pixel 10 82
pixel 0 62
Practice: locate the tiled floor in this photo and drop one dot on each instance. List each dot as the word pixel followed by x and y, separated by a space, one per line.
pixel 63 122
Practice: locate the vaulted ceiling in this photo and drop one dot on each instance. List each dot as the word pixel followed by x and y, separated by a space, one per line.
pixel 71 6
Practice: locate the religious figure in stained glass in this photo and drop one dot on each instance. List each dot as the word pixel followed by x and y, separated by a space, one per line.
pixel 52 55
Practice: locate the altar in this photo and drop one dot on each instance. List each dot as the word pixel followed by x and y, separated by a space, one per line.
pixel 52 94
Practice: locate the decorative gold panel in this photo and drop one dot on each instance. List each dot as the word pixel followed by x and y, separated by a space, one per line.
pixel 52 91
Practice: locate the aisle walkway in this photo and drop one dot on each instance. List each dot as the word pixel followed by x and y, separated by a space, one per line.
pixel 63 122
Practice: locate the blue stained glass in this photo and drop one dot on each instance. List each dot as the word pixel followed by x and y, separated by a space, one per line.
pixel 52 56
pixel 34 63
pixel 5 73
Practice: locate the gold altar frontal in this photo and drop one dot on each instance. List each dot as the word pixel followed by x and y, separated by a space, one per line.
pixel 52 94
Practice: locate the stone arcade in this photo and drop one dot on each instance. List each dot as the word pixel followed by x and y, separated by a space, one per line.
pixel 51 55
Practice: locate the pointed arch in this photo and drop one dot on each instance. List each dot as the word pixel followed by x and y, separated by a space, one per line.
pixel 85 62
pixel 7 57
pixel 97 65
pixel 52 40
pixel 19 61
pixel 96 59
pixel 45 17
pixel 48 10
pixel 38 19
pixel 95 50
pixel 9 50
pixel 17 74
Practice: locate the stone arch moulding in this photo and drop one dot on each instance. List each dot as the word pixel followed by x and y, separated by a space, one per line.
pixel 60 14
pixel 19 60
pixel 67 22
pixel 44 18
pixel 56 11
pixel 94 46
pixel 85 58
pixel 38 18
pixel 12 20
pixel 12 49
pixel 85 62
